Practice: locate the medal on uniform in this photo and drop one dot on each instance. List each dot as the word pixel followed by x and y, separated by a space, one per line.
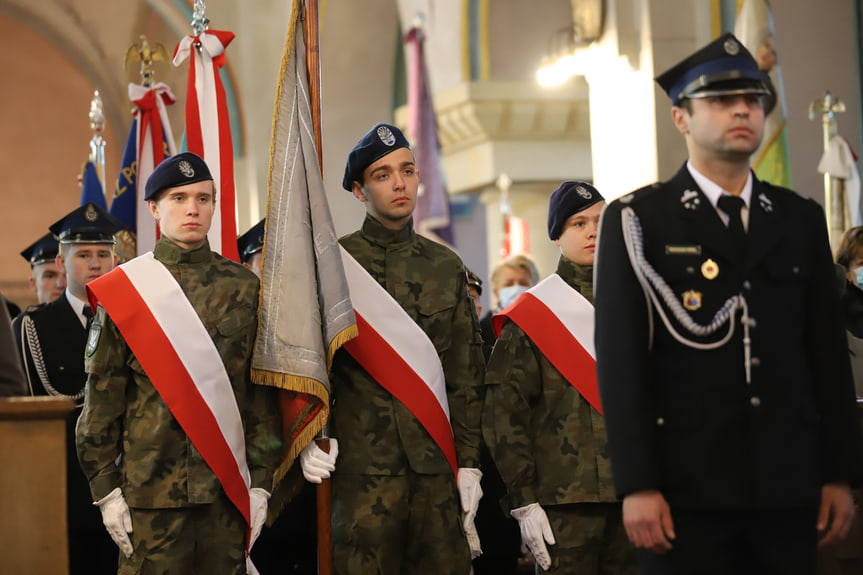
pixel 692 300
pixel 709 269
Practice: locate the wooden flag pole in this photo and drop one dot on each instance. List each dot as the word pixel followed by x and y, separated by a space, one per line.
pixel 313 68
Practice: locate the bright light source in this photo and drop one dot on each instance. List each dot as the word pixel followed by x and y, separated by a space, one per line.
pixel 579 62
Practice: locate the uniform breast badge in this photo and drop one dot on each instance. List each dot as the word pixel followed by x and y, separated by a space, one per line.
pixel 709 269
pixel 690 199
pixel 692 300
pixel 765 202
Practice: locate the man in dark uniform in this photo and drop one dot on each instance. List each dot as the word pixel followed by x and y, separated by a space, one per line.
pixel 46 279
pixel 722 362
pixel 51 338
pixel 395 499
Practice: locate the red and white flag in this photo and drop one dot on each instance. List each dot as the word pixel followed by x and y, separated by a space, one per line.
pixel 208 128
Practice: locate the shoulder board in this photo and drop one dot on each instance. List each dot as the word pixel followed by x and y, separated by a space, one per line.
pixel 639 194
pixel 35 309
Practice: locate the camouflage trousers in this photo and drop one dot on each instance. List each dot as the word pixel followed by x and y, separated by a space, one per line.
pixel 398 525
pixel 590 540
pixel 204 539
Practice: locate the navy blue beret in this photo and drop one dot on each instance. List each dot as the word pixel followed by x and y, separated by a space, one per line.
pixel 569 198
pixel 723 67
pixel 178 170
pixel 43 250
pixel 377 143
pixel 252 241
pixel 88 224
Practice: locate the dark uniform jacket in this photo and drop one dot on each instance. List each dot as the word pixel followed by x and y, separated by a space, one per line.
pixel 11 376
pixel 377 434
pixel 684 420
pixel 124 415
pixel 547 441
pixel 61 338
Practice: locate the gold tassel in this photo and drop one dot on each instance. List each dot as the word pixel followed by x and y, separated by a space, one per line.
pixel 341 339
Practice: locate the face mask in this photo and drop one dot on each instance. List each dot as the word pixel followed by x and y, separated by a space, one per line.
pixel 858 273
pixel 508 294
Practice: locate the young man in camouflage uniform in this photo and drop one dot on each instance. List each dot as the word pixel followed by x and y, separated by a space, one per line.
pixel 395 501
pixel 541 419
pixel 164 505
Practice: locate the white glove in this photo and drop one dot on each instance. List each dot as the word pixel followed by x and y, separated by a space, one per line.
pixel 535 532
pixel 257 511
pixel 117 520
pixel 318 464
pixel 470 492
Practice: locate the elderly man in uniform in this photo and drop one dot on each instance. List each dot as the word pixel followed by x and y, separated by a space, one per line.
pixel 542 418
pixel 395 493
pixel 51 338
pixel 46 279
pixel 177 443
pixel 722 362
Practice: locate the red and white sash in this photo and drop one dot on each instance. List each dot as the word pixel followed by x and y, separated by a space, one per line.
pixel 169 340
pixel 399 355
pixel 559 320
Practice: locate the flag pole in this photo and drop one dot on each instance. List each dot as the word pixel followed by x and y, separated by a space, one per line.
pixel 827 107
pixel 97 143
pixel 313 67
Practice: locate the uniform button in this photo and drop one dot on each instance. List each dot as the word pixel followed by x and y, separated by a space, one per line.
pixel 754 401
pixel 660 421
pixel 62 368
pixel 795 270
pixel 690 270
pixel 747 284
pixel 755 362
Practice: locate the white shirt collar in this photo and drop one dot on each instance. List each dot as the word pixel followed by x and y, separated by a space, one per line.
pixel 713 191
pixel 77 306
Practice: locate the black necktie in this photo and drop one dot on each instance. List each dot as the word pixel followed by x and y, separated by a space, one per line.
pixel 88 315
pixel 732 205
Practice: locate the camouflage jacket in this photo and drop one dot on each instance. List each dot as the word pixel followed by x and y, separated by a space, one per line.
pixel 377 434
pixel 547 441
pixel 125 416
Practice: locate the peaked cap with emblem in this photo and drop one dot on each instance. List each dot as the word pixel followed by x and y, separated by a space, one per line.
pixel 569 198
pixel 178 170
pixel 374 145
pixel 723 67
pixel 252 241
pixel 43 250
pixel 88 224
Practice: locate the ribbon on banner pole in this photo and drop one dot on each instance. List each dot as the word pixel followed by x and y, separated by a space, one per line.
pixel 208 127
pixel 154 130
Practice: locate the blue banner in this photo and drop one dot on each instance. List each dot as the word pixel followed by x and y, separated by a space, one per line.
pixel 92 190
pixel 123 204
